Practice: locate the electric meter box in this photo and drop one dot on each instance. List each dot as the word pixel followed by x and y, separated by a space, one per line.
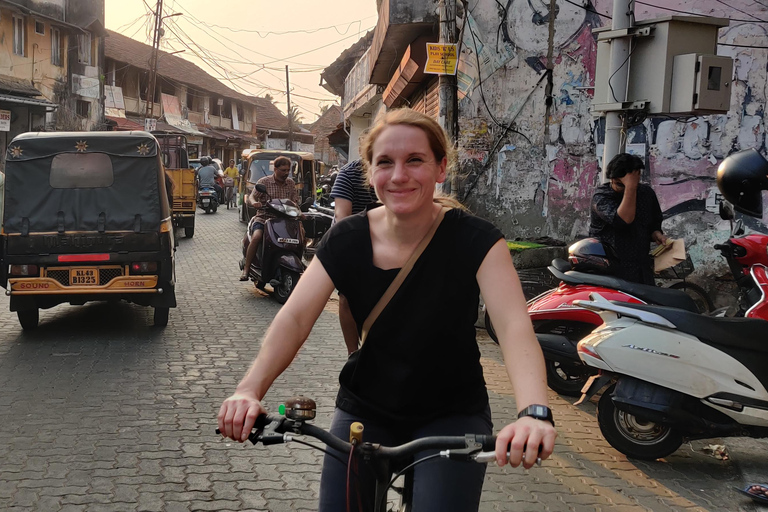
pixel 653 64
pixel 701 83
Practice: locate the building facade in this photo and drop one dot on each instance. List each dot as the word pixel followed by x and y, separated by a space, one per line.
pixel 218 121
pixel 50 66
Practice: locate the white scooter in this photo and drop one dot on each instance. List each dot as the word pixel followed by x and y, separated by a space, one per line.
pixel 677 375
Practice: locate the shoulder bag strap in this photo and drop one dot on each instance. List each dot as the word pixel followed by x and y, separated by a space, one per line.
pixel 384 300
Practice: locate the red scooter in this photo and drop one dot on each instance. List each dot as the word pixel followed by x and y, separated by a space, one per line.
pixel 560 325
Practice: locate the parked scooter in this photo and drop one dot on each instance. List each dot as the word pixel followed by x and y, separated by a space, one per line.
pixel 279 259
pixel 559 324
pixel 674 375
pixel 208 199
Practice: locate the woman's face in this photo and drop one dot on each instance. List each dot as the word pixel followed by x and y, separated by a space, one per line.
pixel 403 169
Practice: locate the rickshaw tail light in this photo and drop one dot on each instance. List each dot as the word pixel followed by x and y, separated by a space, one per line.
pixel 76 258
pixel 24 270
pixel 143 267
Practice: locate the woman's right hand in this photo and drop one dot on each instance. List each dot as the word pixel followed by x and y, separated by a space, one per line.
pixel 237 416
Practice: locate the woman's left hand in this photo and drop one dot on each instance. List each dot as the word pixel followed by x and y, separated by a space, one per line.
pixel 527 439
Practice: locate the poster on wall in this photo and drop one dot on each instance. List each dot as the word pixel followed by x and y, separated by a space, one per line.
pixel 5 120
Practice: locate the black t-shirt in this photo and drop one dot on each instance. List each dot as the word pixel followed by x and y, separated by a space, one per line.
pixel 630 242
pixel 420 359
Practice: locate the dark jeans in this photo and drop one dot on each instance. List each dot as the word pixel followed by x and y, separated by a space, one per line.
pixel 439 485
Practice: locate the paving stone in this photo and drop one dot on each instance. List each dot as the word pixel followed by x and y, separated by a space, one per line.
pixel 122 415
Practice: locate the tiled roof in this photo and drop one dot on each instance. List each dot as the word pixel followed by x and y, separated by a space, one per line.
pixel 18 85
pixel 328 121
pixel 127 50
pixel 268 115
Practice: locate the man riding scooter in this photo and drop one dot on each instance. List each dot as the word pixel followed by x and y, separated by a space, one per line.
pixel 279 186
pixel 206 176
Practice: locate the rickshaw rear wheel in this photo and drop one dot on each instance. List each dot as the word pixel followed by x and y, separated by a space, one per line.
pixel 189 232
pixel 29 318
pixel 161 317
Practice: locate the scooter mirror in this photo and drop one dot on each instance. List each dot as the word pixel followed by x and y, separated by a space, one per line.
pixel 309 201
pixel 726 210
pixel 738 228
pixel 261 188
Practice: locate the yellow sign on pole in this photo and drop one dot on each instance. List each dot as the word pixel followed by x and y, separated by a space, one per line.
pixel 441 59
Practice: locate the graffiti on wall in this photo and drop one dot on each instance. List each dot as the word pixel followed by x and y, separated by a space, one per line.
pixel 681 155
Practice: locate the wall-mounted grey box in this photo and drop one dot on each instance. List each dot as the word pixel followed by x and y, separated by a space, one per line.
pixel 701 83
pixel 652 61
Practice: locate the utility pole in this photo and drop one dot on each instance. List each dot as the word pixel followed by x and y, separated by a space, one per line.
pixel 447 116
pixel 153 60
pixel 289 142
pixel 618 72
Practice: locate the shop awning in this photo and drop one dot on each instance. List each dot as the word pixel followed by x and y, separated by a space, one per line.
pixel 7 98
pixel 124 124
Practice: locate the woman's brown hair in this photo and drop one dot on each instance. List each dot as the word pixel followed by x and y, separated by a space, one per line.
pixel 438 143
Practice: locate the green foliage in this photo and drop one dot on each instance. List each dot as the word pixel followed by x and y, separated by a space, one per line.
pixel 520 245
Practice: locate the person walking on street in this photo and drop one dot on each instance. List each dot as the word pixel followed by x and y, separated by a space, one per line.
pixel 279 186
pixel 418 372
pixel 625 216
pixel 352 195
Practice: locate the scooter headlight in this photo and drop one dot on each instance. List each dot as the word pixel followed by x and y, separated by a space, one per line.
pixel 291 211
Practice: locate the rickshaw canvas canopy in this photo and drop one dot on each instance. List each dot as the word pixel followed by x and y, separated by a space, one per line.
pixel 80 195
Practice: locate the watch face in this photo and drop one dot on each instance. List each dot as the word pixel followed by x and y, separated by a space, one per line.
pixel 539 411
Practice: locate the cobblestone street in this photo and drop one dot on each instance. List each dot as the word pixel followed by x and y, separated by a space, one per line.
pixel 103 412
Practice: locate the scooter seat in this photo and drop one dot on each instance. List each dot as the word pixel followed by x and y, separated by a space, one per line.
pixel 653 294
pixel 744 339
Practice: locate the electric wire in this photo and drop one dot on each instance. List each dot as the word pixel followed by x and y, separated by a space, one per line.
pixel 482 93
pixel 613 93
pixel 304 31
pixel 693 13
pixel 589 10
pixel 739 10
pixel 192 19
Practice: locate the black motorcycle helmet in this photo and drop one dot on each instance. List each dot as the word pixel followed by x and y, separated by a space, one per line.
pixel 206 160
pixel 741 179
pixel 589 255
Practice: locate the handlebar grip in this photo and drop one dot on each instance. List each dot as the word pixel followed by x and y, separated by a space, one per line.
pixel 262 420
pixel 488 441
pixel 272 439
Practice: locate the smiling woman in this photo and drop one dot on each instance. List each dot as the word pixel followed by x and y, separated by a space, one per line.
pixel 391 263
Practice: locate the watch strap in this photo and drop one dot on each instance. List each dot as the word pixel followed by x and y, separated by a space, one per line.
pixel 540 412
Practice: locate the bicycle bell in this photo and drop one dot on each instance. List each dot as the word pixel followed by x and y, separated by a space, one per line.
pixel 300 408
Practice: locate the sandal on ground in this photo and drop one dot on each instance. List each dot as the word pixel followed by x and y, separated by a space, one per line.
pixel 243 277
pixel 757 492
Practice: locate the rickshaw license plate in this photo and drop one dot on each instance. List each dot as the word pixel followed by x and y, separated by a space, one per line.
pixel 83 276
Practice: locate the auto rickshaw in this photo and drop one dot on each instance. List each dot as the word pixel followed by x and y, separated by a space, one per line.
pixel 173 148
pixel 86 218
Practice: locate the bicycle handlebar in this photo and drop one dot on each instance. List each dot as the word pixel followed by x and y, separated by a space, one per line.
pixel 464 447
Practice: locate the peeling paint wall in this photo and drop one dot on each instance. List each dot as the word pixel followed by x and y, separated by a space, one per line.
pixel 532 184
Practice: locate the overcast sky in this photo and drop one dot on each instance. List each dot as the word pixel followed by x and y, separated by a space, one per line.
pixel 238 43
